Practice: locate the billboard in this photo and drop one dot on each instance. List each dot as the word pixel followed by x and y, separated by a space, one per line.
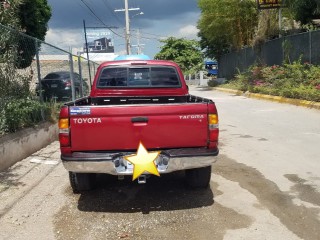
pixel 100 40
pixel 269 4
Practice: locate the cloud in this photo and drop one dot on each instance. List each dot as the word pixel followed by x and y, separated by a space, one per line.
pixel 65 38
pixel 188 31
pixel 66 14
pixel 160 19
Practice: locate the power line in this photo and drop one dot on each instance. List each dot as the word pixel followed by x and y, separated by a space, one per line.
pixel 106 3
pixel 85 9
pixel 157 35
pixel 149 38
pixel 95 15
pixel 91 10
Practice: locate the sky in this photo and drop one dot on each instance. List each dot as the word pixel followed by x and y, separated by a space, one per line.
pixel 160 19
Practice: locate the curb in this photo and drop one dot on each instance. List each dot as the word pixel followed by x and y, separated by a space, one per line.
pixel 292 101
pixel 227 90
pixel 17 146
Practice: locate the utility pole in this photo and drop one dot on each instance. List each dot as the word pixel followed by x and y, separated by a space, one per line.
pixel 280 22
pixel 139 45
pixel 87 50
pixel 138 41
pixel 127 32
pixel 127 27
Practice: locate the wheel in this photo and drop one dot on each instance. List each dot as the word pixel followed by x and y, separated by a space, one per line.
pixel 198 177
pixel 82 181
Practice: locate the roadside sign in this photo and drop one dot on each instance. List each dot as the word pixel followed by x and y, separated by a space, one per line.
pixel 269 4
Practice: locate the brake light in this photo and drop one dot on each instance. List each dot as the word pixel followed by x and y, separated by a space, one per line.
pixel 139 63
pixel 213 121
pixel 213 126
pixel 64 140
pixel 64 127
pixel 67 83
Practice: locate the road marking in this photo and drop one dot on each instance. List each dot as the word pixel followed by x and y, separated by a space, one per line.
pixel 48 162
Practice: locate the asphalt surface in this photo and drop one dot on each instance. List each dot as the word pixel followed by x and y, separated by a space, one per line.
pixel 265 185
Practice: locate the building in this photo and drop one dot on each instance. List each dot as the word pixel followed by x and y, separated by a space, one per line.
pixel 101 45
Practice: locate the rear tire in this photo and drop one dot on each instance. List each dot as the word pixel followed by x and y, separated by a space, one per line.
pixel 82 181
pixel 198 177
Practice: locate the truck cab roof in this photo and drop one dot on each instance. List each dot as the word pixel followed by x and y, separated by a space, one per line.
pixel 139 78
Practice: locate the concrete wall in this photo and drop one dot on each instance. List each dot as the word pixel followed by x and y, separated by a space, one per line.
pixel 17 146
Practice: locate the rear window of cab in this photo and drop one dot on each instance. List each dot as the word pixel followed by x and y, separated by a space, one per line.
pixel 131 77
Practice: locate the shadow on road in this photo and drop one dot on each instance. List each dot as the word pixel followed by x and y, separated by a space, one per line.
pixel 10 177
pixel 164 193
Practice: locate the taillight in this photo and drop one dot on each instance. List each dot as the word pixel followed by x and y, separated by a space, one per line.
pixel 213 126
pixel 64 125
pixel 213 121
pixel 64 140
pixel 67 83
pixel 64 128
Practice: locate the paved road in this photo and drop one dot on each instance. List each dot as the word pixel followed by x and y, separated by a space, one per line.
pixel 265 185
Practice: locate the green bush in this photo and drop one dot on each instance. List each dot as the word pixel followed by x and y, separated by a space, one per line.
pixel 243 81
pixel 18 109
pixel 296 80
pixel 21 113
pixel 212 83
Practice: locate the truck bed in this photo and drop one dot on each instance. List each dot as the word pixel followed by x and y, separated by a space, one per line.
pixel 120 123
pixel 127 100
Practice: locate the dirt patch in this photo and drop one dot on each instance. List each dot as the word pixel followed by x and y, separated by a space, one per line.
pixel 162 208
pixel 301 220
pixel 306 192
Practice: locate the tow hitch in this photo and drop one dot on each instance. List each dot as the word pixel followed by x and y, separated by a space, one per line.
pixel 142 179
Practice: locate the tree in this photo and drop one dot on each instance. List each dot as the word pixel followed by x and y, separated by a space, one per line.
pixel 267 28
pixel 9 13
pixel 12 82
pixel 34 16
pixel 304 11
pixel 295 10
pixel 30 17
pixel 226 25
pixel 8 17
pixel 184 52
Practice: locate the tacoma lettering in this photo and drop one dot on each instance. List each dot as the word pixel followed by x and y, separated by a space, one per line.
pixel 192 117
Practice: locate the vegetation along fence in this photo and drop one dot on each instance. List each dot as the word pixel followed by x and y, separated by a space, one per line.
pixel 304 46
pixel 24 61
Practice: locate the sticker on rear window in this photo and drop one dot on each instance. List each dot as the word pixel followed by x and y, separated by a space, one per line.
pixel 80 111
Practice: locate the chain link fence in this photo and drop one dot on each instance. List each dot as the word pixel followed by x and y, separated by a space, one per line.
pixel 51 61
pixel 25 63
pixel 303 46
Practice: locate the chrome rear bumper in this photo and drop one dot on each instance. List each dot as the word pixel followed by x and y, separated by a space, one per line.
pixel 114 163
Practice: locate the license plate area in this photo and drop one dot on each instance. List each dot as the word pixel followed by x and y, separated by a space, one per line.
pixel 125 167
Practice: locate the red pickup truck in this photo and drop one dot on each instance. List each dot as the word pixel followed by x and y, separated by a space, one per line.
pixel 135 101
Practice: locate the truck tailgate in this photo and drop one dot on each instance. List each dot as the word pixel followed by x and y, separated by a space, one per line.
pixel 108 128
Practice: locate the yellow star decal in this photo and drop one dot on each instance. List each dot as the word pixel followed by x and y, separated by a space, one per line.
pixel 143 161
